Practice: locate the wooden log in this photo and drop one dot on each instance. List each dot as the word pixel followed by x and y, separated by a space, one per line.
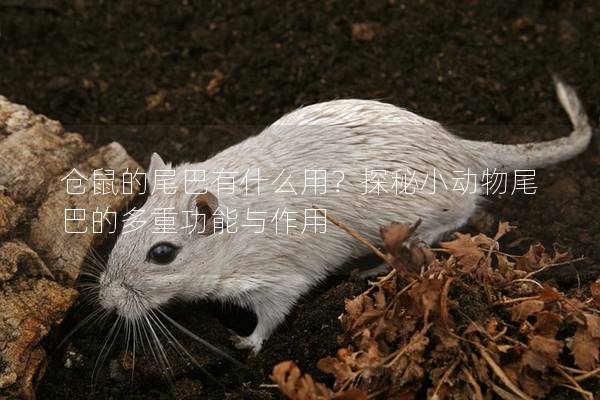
pixel 39 260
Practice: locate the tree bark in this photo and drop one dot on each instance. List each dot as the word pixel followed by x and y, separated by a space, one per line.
pixel 39 261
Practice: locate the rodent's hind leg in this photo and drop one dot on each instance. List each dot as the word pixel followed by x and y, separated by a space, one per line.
pixel 246 342
pixel 269 315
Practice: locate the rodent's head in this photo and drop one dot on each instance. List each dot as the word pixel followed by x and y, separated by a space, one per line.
pixel 147 268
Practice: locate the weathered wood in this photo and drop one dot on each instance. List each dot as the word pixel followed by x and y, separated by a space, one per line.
pixel 39 261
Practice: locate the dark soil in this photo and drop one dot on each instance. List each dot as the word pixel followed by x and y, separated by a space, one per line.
pixel 480 67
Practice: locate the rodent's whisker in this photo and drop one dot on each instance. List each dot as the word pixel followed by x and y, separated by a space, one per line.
pixel 142 326
pixel 146 339
pixel 127 336
pixel 96 256
pixel 81 324
pixel 162 359
pixel 112 334
pixel 90 274
pixel 88 296
pixel 201 341
pixel 94 260
pixel 134 332
pixel 170 338
pixel 176 344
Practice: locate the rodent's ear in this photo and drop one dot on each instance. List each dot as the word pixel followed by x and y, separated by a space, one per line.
pixel 156 163
pixel 207 204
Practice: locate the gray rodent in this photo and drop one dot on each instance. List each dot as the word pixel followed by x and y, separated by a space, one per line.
pixel 269 272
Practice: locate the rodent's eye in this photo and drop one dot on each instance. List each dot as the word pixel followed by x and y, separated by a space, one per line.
pixel 162 253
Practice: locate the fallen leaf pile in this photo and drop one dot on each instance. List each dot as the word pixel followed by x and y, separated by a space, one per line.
pixel 463 321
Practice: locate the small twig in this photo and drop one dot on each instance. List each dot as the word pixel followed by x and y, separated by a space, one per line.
pixel 406 348
pixel 584 393
pixel 504 394
pixel 376 394
pixel 537 271
pixel 517 241
pixel 573 370
pixel 501 374
pixel 472 382
pixel 355 235
pixel 525 280
pixel 510 301
pixel 500 334
pixel 444 301
pixel 515 341
pixel 587 375
pixel 383 280
pixel 460 338
pixel 591 309
pixel 587 395
pixel 445 377
pixel 484 332
pixel 403 290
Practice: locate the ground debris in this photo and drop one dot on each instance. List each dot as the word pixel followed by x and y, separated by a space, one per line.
pixel 302 387
pixel 466 320
pixel 365 31
pixel 214 85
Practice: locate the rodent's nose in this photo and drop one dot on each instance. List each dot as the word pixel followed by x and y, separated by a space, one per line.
pixel 111 295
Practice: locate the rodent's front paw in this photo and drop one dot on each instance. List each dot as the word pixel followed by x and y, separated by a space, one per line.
pixel 247 342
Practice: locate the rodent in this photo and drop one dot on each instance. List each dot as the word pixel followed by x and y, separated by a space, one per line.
pixel 269 272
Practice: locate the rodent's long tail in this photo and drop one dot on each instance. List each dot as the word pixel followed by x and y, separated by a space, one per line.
pixel 508 158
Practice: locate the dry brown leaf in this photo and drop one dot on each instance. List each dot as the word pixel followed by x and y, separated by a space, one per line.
pixel 503 229
pixel 405 255
pixel 550 295
pixel 354 307
pixel 522 311
pixel 466 250
pixel 505 266
pixel 366 316
pixel 413 372
pixel 426 297
pixel 533 386
pixel 296 386
pixel 537 258
pixel 548 323
pixel 531 259
pixel 395 236
pixel 543 352
pixel 331 365
pixel 585 349
pixel 593 324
